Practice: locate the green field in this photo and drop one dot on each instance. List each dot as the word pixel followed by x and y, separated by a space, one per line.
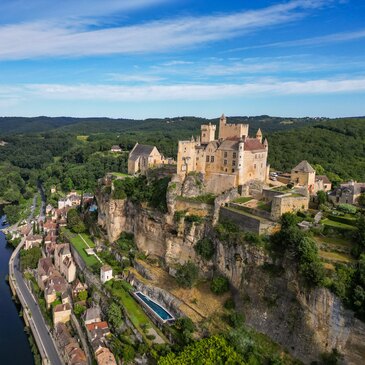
pixel 331 223
pixel 80 246
pixel 242 199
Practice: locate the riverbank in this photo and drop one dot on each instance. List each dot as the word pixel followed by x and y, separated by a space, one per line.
pixel 14 345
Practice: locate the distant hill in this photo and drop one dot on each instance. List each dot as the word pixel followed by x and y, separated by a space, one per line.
pixel 15 125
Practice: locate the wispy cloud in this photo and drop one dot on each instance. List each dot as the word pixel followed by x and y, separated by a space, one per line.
pixel 134 78
pixel 313 41
pixel 69 39
pixel 150 93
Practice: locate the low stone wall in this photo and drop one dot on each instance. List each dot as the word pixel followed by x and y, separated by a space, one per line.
pixel 269 194
pixel 287 203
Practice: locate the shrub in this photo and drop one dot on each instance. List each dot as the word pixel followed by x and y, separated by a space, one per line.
pixel 194 219
pixel 205 248
pixel 229 304
pixel 187 275
pixel 347 208
pixel 235 319
pixel 219 285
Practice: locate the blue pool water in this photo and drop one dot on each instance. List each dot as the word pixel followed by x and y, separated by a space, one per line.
pixel 160 311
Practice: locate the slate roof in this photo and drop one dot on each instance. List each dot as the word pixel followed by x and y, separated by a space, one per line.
pixel 229 145
pixel 304 166
pixel 324 178
pixel 140 150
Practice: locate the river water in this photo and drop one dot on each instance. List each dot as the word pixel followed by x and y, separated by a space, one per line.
pixel 14 345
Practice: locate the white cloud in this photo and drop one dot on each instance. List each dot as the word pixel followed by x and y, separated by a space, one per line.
pixel 137 78
pixel 313 41
pixel 73 39
pixel 148 93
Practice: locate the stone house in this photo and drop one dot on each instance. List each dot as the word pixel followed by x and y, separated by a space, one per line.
pixel 69 346
pixel 106 273
pixel 304 175
pixel 53 286
pixel 227 162
pixel 97 333
pixel 347 193
pixel 116 149
pixel 61 313
pixel 78 287
pixel 142 157
pixel 33 241
pixel 64 261
pixel 92 315
pixel 105 357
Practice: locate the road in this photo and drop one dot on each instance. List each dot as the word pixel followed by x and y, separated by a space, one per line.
pixel 37 317
pixel 25 296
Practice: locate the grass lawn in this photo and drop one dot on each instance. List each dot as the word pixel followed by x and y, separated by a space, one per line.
pixel 335 256
pixel 329 222
pixel 82 138
pixel 135 313
pixel 80 246
pixel 337 241
pixel 264 206
pixel 242 199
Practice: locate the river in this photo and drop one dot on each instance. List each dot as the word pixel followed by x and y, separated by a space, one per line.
pixel 14 345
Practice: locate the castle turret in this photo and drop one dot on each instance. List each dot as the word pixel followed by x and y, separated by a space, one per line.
pixel 266 143
pixel 259 135
pixel 207 132
pixel 240 162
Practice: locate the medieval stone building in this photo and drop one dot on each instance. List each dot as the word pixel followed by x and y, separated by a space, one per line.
pixel 229 161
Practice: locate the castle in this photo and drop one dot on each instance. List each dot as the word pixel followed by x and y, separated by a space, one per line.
pixel 229 161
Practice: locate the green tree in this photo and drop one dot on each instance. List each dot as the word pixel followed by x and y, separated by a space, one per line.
pixel 219 285
pixel 361 200
pixel 29 258
pixel 128 353
pixel 82 295
pixel 321 197
pixel 114 315
pixel 205 248
pixel 79 310
pixel 187 274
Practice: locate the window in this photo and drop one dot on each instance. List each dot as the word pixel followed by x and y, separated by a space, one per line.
pixel 207 159
pixel 203 134
pixel 232 170
pixel 254 166
pixel 234 155
pixel 234 163
pixel 225 162
pixel 261 165
pixel 225 154
pixel 211 158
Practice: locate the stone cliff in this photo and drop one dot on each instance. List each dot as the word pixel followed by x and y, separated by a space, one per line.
pixel 307 323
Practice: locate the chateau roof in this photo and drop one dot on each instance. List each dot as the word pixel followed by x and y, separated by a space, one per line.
pixel 253 144
pixel 229 145
pixel 304 166
pixel 141 150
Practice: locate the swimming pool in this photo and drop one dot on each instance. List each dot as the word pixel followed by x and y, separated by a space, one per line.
pixel 161 312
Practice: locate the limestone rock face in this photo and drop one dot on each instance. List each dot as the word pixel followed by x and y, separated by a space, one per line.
pixel 306 323
pixel 193 186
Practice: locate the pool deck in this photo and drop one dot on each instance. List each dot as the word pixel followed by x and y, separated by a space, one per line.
pixel 149 310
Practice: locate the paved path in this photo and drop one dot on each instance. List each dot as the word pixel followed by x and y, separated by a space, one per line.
pixel 37 321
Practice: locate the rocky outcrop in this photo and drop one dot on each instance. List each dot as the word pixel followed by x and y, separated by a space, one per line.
pixel 305 322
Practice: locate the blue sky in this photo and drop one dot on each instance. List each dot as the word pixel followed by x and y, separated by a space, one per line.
pixel 165 58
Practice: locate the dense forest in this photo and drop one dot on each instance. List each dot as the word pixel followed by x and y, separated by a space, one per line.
pixel 73 153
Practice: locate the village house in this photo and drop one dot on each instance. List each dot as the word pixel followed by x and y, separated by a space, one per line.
pixel 61 313
pixel 33 241
pixel 106 273
pixel 229 161
pixel 70 349
pixel 70 200
pixel 25 230
pixel 64 261
pixel 105 357
pixel 347 193
pixel 304 175
pixel 92 315
pixel 143 157
pixel 116 149
pixel 97 333
pixel 53 286
pixel 44 271
pixel 78 287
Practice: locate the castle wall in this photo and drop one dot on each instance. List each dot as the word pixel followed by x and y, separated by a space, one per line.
pixel 232 130
pixel 186 157
pixel 287 203
pixel 217 183
pixel 254 166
